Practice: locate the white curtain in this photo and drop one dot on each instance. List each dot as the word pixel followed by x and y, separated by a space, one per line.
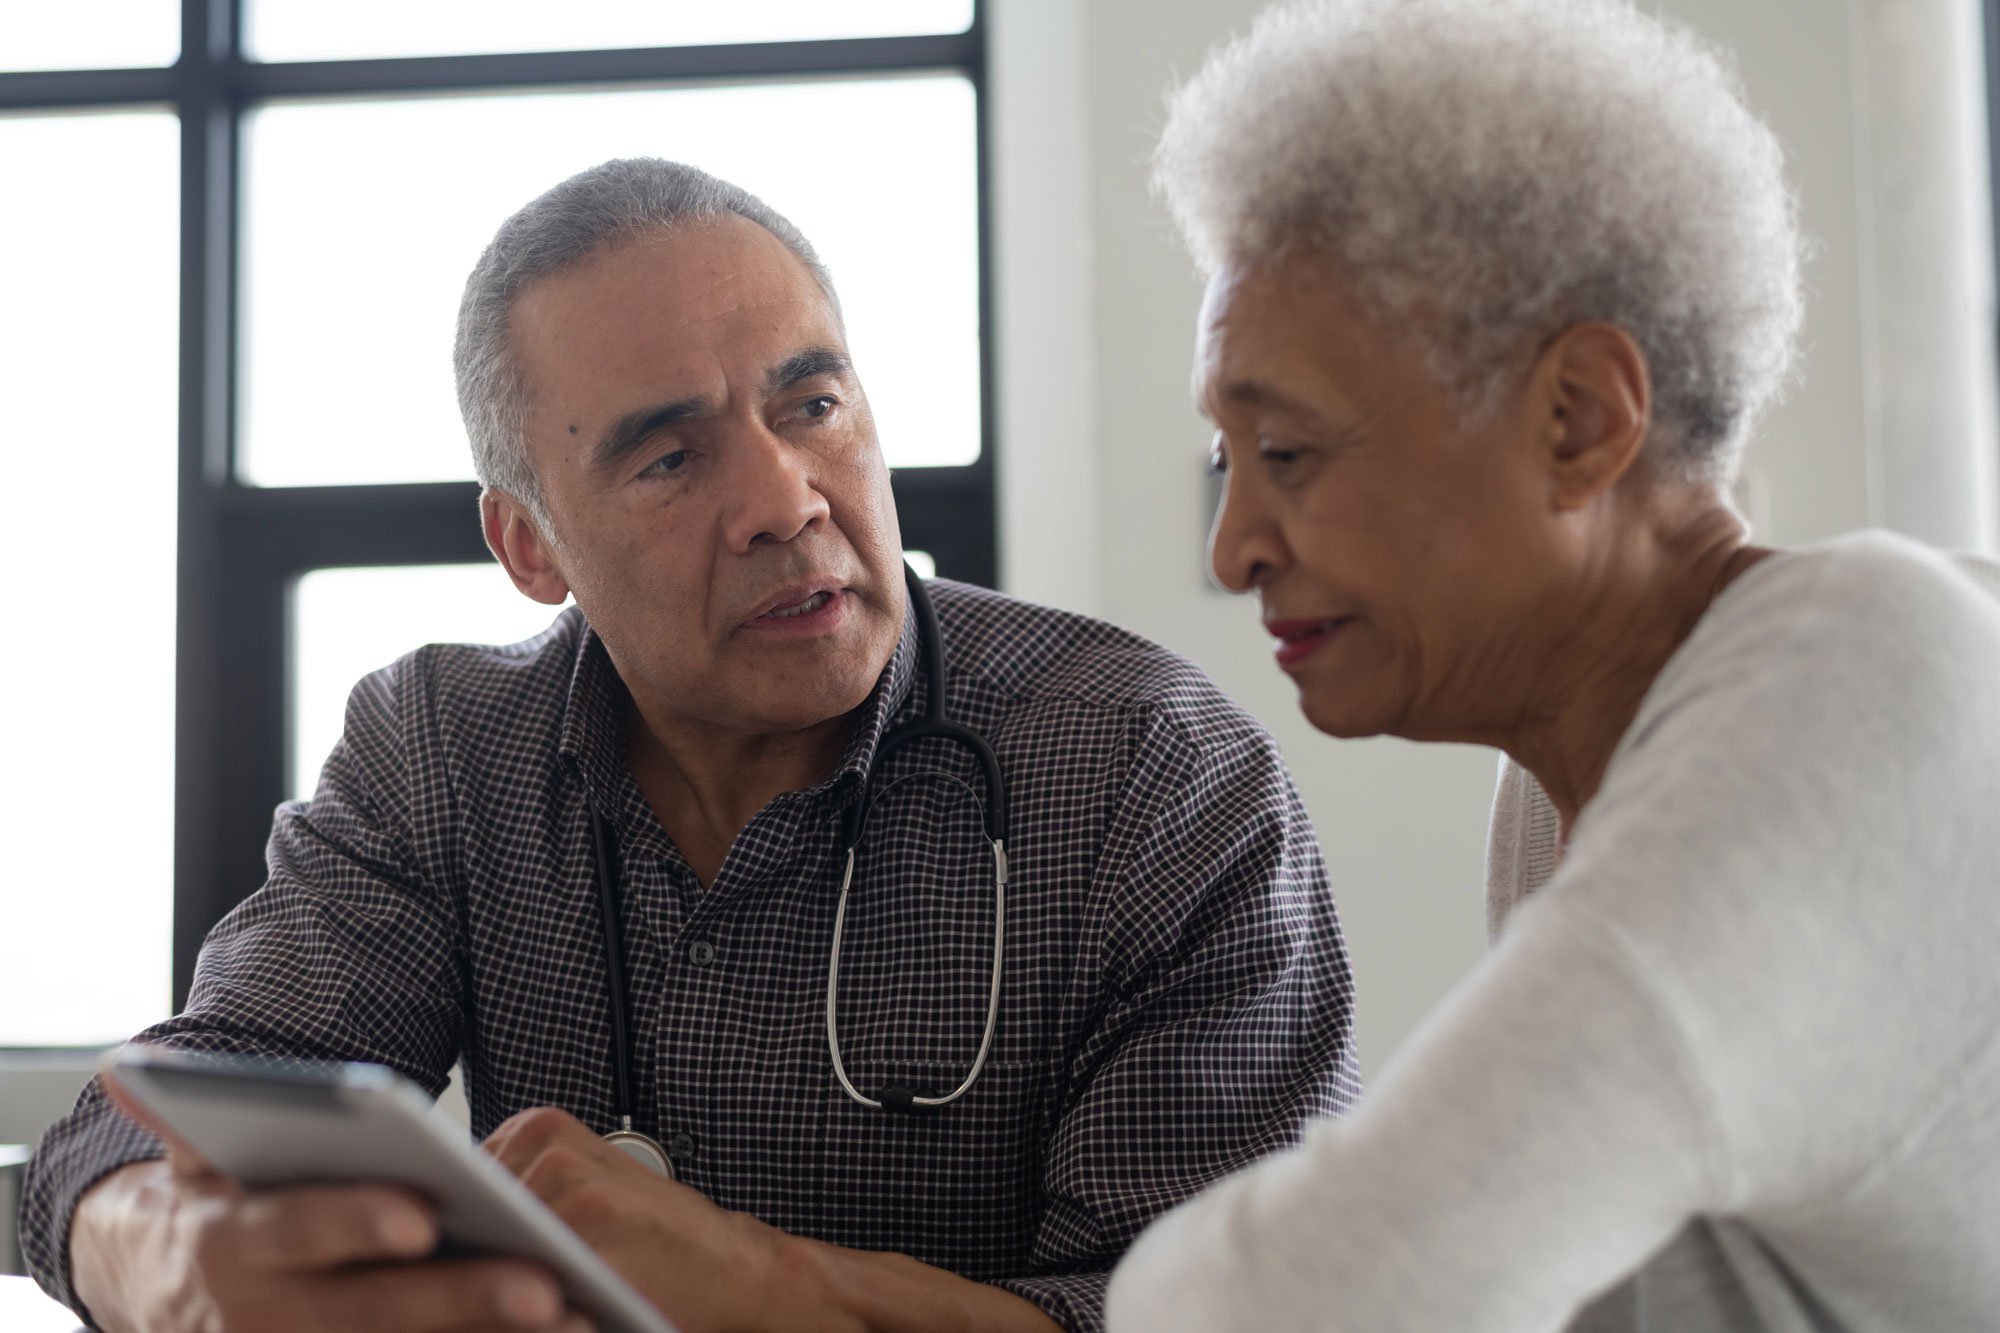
pixel 1925 211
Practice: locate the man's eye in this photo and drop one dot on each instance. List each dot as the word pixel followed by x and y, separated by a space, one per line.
pixel 816 408
pixel 667 464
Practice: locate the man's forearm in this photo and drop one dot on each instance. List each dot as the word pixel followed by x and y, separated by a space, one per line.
pixel 892 1293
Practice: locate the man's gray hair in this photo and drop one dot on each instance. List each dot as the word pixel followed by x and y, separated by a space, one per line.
pixel 612 202
pixel 1487 173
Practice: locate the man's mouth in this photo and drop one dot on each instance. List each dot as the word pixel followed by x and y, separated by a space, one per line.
pixel 805 608
pixel 802 612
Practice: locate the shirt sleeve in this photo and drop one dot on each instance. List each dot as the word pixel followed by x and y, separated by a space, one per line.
pixel 348 952
pixel 1226 1004
pixel 1538 1138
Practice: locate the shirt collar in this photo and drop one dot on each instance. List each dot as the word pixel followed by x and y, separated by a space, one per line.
pixel 899 693
pixel 593 733
pixel 594 713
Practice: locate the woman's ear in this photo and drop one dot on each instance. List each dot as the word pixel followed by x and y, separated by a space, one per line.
pixel 517 542
pixel 1594 397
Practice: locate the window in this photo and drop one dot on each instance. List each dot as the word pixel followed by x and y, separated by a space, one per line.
pixel 87 407
pixel 353 208
pixel 251 486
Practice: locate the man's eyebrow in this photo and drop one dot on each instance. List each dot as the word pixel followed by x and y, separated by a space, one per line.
pixel 635 428
pixel 808 364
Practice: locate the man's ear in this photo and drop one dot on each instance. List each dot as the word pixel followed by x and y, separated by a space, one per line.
pixel 518 544
pixel 1594 399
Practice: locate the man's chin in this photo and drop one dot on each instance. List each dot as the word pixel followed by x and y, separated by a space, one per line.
pixel 803 707
pixel 801 688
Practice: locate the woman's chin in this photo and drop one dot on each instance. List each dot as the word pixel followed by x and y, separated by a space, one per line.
pixel 1344 714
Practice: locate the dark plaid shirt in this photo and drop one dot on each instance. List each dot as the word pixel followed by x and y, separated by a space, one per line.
pixel 1176 999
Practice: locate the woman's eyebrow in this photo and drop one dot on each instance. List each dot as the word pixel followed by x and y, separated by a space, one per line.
pixel 1262 393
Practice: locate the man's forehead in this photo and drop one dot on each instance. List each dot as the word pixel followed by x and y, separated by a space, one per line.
pixel 678 295
pixel 712 260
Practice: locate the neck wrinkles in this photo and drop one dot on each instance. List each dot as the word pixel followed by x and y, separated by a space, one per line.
pixel 1585 687
pixel 720 779
pixel 723 779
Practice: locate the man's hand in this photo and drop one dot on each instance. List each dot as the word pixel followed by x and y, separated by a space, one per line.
pixel 171 1247
pixel 709 1269
pixel 714 1271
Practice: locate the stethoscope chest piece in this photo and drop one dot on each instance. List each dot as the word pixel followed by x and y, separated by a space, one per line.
pixel 642 1150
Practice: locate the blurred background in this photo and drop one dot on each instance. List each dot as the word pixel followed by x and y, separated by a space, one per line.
pixel 232 237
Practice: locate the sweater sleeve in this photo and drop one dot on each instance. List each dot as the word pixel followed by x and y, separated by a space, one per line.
pixel 1537 1139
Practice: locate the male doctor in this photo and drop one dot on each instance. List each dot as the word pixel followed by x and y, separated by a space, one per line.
pixel 654 374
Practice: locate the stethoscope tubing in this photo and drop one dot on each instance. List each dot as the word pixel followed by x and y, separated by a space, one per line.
pixel 894 1097
pixel 897 1097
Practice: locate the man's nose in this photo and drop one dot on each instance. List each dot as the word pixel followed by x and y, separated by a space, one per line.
pixel 1244 545
pixel 775 490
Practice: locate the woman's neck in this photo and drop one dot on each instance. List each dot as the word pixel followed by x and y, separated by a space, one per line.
pixel 1631 618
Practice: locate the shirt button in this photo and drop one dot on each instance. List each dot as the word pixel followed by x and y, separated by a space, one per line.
pixel 681 1145
pixel 701 953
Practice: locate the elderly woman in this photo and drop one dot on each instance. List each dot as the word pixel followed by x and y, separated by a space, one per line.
pixel 1497 289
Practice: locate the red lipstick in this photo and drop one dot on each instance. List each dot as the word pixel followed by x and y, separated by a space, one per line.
pixel 1300 639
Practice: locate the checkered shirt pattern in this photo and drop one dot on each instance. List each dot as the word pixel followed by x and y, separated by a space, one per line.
pixel 1176 999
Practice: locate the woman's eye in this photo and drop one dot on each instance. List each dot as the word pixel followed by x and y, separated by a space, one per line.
pixel 1276 455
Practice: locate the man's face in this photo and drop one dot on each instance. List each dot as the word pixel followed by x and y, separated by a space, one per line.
pixel 720 506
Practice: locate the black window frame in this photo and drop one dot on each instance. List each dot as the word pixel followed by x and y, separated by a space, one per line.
pixel 242 548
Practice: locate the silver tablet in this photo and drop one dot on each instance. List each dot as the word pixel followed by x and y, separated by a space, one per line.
pixel 271 1123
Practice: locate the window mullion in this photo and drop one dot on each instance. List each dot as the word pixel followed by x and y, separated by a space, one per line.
pixel 205 636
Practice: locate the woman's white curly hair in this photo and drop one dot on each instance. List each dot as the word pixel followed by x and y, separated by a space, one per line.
pixel 1487 173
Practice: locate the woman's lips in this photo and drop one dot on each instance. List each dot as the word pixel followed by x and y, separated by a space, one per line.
pixel 1300 639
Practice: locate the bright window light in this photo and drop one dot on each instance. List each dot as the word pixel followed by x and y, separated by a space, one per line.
pixel 87 404
pixel 347 622
pixel 363 218
pixel 365 29
pixel 89 34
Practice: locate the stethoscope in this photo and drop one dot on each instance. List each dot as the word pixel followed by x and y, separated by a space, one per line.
pixel 896 1096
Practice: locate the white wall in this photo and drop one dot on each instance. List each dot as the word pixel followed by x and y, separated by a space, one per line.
pixel 1403 825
